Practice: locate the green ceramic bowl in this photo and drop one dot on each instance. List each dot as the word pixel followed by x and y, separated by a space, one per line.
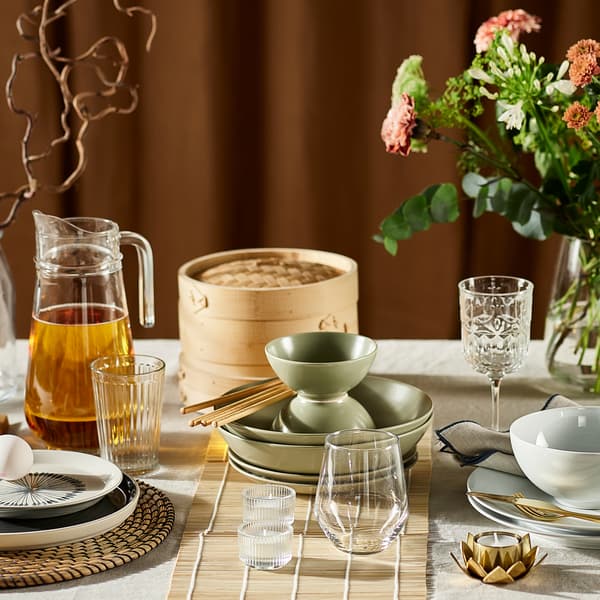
pixel 321 366
pixel 291 458
pixel 321 363
pixel 396 407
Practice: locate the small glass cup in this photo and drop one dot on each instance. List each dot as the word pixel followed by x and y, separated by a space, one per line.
pixel 361 502
pixel 128 393
pixel 269 503
pixel 265 546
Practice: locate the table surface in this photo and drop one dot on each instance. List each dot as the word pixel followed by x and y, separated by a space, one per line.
pixel 437 367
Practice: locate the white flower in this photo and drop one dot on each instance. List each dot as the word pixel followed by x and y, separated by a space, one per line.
pixel 481 75
pixel 564 86
pixel 485 92
pixel 513 114
pixel 564 65
pixel 525 57
pixel 507 42
pixel 496 72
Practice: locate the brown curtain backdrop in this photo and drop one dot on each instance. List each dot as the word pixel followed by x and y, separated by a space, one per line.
pixel 258 125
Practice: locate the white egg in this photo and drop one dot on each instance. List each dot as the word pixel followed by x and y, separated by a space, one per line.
pixel 16 457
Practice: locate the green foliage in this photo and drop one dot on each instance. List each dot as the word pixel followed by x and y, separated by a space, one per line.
pixel 410 79
pixel 528 99
pixel 436 204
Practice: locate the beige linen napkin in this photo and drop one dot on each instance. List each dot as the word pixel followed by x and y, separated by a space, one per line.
pixel 478 446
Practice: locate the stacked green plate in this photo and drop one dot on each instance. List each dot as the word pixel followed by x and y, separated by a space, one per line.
pixel 263 454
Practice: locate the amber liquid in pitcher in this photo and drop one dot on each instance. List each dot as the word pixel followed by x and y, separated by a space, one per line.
pixel 59 402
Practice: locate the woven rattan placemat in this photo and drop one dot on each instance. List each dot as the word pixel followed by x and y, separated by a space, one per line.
pixel 143 531
pixel 208 565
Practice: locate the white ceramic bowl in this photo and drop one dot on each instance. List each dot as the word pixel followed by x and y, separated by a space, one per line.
pixel 559 451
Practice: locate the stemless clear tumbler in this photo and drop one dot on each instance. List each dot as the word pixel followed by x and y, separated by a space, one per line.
pixel 495 316
pixel 128 393
pixel 361 502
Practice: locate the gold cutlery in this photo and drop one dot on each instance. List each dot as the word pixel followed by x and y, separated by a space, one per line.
pixel 534 508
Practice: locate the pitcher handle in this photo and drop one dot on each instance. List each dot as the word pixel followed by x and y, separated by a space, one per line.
pixel 145 275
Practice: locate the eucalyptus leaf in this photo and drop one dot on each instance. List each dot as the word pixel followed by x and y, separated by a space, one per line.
pixel 444 203
pixel 524 213
pixel 515 199
pixel 390 245
pixel 500 195
pixel 472 184
pixel 481 201
pixel 396 227
pixel 416 213
pixel 539 226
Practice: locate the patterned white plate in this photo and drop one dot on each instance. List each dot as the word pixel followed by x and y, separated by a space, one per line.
pixel 59 482
pixel 106 514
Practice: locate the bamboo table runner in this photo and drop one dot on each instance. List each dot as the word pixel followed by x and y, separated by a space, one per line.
pixel 208 566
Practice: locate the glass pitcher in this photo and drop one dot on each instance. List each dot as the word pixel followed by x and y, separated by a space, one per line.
pixel 79 313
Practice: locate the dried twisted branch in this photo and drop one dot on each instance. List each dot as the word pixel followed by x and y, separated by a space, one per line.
pixel 108 53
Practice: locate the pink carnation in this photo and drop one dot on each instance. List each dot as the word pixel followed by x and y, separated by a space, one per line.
pixel 398 126
pixel 514 22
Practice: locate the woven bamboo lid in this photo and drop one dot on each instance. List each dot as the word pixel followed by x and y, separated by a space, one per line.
pixel 268 272
pixel 267 284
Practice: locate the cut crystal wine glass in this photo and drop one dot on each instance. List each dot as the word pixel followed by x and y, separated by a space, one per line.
pixel 495 316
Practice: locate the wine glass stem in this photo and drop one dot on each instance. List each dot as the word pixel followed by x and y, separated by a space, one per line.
pixel 495 387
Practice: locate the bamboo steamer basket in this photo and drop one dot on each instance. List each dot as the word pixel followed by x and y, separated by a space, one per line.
pixel 232 303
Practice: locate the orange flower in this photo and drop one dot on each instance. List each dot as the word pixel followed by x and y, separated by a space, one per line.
pixel 577 116
pixel 583 69
pixel 398 125
pixel 597 112
pixel 583 48
pixel 514 22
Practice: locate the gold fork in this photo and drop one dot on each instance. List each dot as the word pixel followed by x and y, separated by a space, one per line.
pixel 536 509
pixel 545 514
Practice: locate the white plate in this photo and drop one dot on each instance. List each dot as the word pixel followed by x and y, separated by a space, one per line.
pixel 537 528
pixel 495 482
pixel 59 482
pixel 103 516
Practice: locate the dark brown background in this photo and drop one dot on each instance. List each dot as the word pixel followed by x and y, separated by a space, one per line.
pixel 258 125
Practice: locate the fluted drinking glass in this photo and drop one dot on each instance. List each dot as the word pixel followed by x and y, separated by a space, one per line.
pixel 495 316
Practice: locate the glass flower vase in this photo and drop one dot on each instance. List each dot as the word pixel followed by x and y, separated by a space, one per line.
pixel 573 322
pixel 8 359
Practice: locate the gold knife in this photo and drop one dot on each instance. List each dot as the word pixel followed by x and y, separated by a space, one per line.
pixel 537 504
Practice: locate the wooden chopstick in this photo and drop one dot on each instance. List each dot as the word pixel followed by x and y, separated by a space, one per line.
pixel 243 407
pixel 241 404
pixel 255 407
pixel 231 396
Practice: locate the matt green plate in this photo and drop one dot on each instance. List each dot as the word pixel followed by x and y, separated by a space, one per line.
pixel 395 406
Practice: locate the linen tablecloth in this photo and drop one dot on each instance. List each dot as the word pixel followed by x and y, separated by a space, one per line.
pixel 439 369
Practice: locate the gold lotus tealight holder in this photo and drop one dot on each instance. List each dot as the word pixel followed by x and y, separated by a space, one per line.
pixel 498 556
